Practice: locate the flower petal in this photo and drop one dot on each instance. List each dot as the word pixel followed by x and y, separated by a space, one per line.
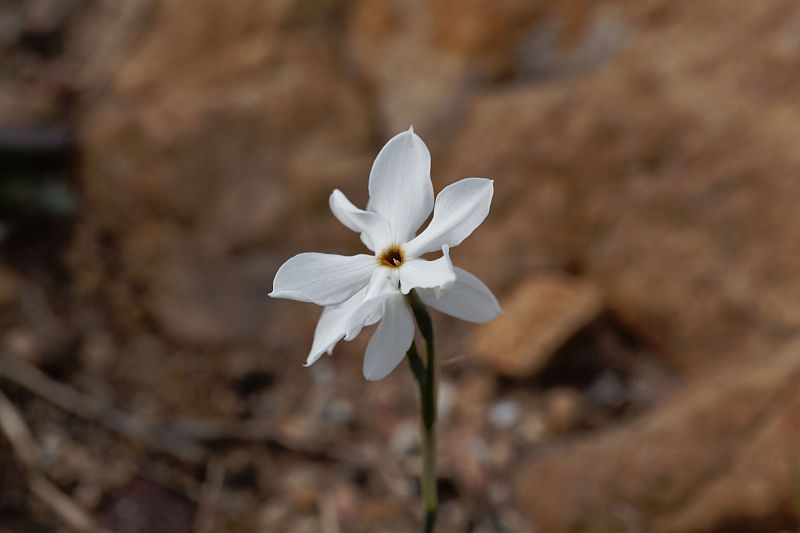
pixel 346 320
pixel 468 299
pixel 389 343
pixel 400 188
pixel 371 308
pixel 424 274
pixel 332 326
pixel 460 208
pixel 323 279
pixel 367 241
pixel 375 231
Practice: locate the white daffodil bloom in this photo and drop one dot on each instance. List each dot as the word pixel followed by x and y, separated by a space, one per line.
pixel 361 290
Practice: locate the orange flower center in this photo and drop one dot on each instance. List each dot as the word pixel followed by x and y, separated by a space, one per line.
pixel 391 257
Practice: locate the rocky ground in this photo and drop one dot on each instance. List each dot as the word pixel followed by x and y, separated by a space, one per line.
pixel 160 160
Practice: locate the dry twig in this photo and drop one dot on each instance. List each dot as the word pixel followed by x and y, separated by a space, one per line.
pixel 25 449
pixel 209 497
pixel 86 407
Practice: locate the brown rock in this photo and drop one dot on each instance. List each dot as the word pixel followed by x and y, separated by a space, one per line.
pixel 540 317
pixel 215 137
pixel 636 174
pixel 719 451
pixel 482 27
pixel 212 301
pixel 424 57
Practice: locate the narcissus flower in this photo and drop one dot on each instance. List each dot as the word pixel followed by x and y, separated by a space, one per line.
pixel 361 290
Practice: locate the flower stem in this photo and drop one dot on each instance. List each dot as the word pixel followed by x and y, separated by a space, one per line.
pixel 425 374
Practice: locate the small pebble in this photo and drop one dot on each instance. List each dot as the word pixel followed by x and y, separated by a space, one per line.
pixel 563 410
pixel 338 411
pixel 404 438
pixel 504 414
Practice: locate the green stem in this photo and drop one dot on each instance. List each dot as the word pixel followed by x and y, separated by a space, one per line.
pixel 416 364
pixel 426 379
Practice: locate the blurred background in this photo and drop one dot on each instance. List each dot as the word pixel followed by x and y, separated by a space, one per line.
pixel 159 159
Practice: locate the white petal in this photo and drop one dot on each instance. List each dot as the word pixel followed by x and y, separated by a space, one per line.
pixel 346 320
pixel 332 326
pixel 367 241
pixel 388 345
pixel 423 274
pixel 460 208
pixel 375 231
pixel 370 310
pixel 323 279
pixel 400 188
pixel 468 299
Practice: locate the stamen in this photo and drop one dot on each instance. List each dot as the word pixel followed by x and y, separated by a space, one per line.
pixel 391 257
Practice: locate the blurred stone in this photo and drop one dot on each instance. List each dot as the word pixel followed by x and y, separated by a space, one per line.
pixel 338 411
pixel 232 132
pixel 405 438
pixel 607 391
pixel 504 414
pixel 211 301
pixel 541 316
pixel 302 489
pixel 468 456
pixel 205 147
pixel 596 174
pixel 415 83
pixel 424 58
pixel 562 410
pixel 532 428
pixel 719 447
pixel 482 27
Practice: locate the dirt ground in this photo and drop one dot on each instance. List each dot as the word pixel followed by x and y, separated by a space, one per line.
pixel 159 160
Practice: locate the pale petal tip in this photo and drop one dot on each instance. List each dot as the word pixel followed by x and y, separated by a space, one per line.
pixel 279 294
pixel 411 129
pixel 313 357
pixel 370 375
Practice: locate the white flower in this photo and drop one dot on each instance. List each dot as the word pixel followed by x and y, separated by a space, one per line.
pixel 361 290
